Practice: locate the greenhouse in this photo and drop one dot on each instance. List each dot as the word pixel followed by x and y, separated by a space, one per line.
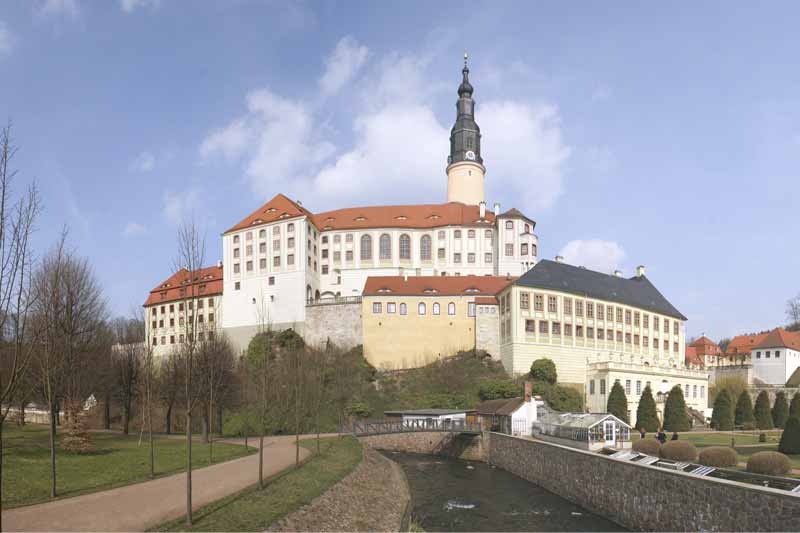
pixel 588 431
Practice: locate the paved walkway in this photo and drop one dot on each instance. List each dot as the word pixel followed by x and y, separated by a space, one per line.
pixel 142 505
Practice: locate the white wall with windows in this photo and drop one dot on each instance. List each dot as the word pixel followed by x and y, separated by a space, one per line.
pixel 167 323
pixel 774 366
pixel 517 246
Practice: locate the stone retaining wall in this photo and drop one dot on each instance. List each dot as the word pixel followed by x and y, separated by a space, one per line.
pixel 469 447
pixel 374 497
pixel 642 497
pixel 339 322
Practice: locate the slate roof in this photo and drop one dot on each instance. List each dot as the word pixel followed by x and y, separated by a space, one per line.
pixel 636 291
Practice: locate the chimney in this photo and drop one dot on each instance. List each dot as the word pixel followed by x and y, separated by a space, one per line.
pixel 405 275
pixel 482 206
pixel 640 271
pixel 496 208
pixel 219 263
pixel 618 273
pixel 528 391
pixel 559 259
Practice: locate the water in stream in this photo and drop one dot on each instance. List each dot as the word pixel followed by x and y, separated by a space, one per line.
pixel 455 495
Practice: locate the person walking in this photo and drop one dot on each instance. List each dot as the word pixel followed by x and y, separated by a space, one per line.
pixel 642 433
pixel 674 435
pixel 661 436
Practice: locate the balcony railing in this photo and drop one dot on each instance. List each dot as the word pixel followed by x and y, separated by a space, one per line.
pixel 333 301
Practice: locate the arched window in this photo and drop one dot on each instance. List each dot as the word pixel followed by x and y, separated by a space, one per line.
pixel 405 246
pixel 403 309
pixel 421 308
pixel 451 309
pixel 425 248
pixel 436 308
pixel 366 247
pixel 457 234
pixel 385 247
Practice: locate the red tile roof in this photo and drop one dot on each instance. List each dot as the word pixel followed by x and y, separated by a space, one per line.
pixel 208 281
pixel 279 208
pixel 744 343
pixel 435 285
pixel 486 300
pixel 780 338
pixel 705 346
pixel 403 216
pixel 692 357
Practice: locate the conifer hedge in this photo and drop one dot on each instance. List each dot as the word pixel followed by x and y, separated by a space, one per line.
pixel 744 417
pixel 780 410
pixel 676 418
pixel 722 417
pixel 618 402
pixel 646 414
pixel 790 439
pixel 763 414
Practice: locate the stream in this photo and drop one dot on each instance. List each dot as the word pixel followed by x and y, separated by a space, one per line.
pixel 456 495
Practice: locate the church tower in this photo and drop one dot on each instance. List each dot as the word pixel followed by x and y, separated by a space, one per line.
pixel 465 168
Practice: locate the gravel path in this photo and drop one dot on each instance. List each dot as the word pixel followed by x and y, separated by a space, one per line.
pixel 374 497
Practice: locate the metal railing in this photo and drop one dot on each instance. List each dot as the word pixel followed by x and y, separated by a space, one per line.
pixel 383 427
pixel 333 301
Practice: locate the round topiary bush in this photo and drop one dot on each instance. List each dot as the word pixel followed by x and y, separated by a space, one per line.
pixel 718 456
pixel 769 463
pixel 679 450
pixel 647 446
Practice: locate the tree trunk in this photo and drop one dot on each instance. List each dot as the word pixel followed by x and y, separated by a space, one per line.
pixel 2 422
pixel 261 460
pixel 150 438
pixel 107 412
pixel 168 421
pixel 219 418
pixel 204 425
pixel 126 417
pixel 188 468
pixel 53 419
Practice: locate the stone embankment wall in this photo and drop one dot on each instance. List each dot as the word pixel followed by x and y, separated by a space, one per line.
pixel 339 322
pixel 487 330
pixel 642 497
pixel 374 497
pixel 469 447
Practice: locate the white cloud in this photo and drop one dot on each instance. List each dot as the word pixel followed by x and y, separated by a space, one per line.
pixel 59 7
pixel 144 162
pixel 595 254
pixel 180 206
pixel 6 39
pixel 342 65
pixel 399 147
pixel 129 6
pixel 133 228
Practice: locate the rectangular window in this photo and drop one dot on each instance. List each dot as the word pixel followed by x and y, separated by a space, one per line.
pixel 556 328
pixel 589 310
pixel 235 239
pixel 666 345
pixel 619 336
pixel 600 312
pixel 376 307
pixel 675 347
pixel 248 236
pixel 524 300
pixel 249 266
pixel 348 237
pixel 543 327
pixel 324 269
pixel 456 258
pixel 236 268
pixel 324 253
pixel 591 386
pixel 290 242
pixel 627 338
pixel 211 317
pixel 509 250
pixel 579 308
pixel 646 321
pixel 470 308
pixel 470 258
pixel 702 391
pixel 337 256
pixel 509 224
pixel 237 286
pixel 675 327
pixel 619 315
pixel 290 259
pixel 325 239
pixel 236 253
pixel 758 355
pixel 276 230
pixel 530 326
pixel 694 391
pixel 440 253
pixel 262 248
pixel 655 323
pixel 172 322
pixel 590 333
pixel 161 323
pixel 602 386
pixel 579 331
pixel 666 326
pixel 638 388
pixel 523 249
pixel 645 342
pixel 249 249
pixel 627 317
pixel 600 333
pixel 391 307
pixel 636 318
pixel 567 306
pixel 568 330
pixel 610 334
pixel 552 304
pixel 348 255
pixel 262 263
pixel 777 354
pixel 271 280
pixel 538 302
pixel 628 387
pixel 403 309
pixel 276 261
pixel 276 245
pixel 487 257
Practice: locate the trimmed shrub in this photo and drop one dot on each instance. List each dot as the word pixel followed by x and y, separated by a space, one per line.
pixel 794 407
pixel 544 370
pixel 646 415
pixel 790 439
pixel 617 402
pixel 769 464
pixel 647 446
pixel 744 412
pixel 763 414
pixel 676 417
pixel 678 450
pixel 762 437
pixel 722 417
pixel 780 410
pixel 718 456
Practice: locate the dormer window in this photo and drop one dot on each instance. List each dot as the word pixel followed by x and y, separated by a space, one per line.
pixel 384 290
pixel 256 222
pixel 284 215
pixel 434 216
pixel 472 290
pixel 325 228
pixel 271 210
pixel 430 291
pixel 401 217
pixel 329 219
pixel 359 219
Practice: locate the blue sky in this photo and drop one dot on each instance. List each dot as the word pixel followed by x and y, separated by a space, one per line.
pixel 659 135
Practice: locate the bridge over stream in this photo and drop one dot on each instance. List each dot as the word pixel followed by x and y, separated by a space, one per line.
pixel 382 427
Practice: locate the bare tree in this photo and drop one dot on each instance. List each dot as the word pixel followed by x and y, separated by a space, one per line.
pixel 17 221
pixel 189 259
pixel 169 379
pixel 216 363
pixel 127 359
pixel 793 313
pixel 70 313
pixel 150 382
pixel 259 358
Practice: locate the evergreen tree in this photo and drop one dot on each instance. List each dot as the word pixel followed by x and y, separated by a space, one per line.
pixel 794 407
pixel 763 413
pixel 722 417
pixel 790 439
pixel 618 402
pixel 676 418
pixel 544 370
pixel 744 412
pixel 646 414
pixel 780 410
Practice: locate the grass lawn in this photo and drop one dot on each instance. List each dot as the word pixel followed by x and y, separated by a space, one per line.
pixel 254 509
pixel 745 443
pixel 118 461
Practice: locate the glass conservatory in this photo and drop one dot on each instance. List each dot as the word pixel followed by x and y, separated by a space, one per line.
pixel 588 431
